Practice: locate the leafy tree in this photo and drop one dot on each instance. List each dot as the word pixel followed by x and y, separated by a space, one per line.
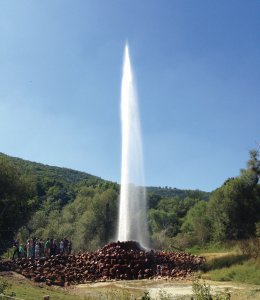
pixel 160 220
pixel 197 223
pixel 234 207
pixel 16 191
pixel 253 164
pixel 153 200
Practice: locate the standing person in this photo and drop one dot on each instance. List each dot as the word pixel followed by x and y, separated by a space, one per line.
pixel 41 248
pixel 47 248
pixel 69 247
pixel 28 248
pixel 51 247
pixel 61 247
pixel 37 249
pixel 33 247
pixel 16 249
pixel 21 250
pixel 55 247
pixel 66 244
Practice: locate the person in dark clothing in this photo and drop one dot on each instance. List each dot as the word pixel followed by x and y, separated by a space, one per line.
pixel 51 247
pixel 33 246
pixel 69 247
pixel 55 247
pixel 16 249
pixel 66 244
pixel 41 247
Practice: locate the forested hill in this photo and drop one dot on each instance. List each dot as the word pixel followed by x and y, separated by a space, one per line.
pixel 53 174
pixel 41 201
pixel 53 201
pixel 168 192
pixel 32 194
pixel 56 173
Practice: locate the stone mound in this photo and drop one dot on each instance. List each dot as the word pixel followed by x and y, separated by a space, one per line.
pixel 115 261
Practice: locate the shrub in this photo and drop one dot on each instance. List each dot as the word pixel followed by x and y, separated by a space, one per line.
pixel 202 291
pixel 185 240
pixel 162 295
pixel 146 296
pixel 250 247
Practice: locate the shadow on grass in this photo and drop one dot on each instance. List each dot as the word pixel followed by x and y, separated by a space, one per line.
pixel 224 262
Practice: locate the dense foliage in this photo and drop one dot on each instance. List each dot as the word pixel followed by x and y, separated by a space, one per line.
pixel 43 201
pixel 17 193
pixel 232 212
pixel 46 201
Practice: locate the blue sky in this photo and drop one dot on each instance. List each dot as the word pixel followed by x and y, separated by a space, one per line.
pixel 197 68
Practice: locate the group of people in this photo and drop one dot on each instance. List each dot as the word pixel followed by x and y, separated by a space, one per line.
pixel 35 248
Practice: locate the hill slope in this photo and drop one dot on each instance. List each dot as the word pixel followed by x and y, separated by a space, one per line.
pixel 49 201
pixel 40 170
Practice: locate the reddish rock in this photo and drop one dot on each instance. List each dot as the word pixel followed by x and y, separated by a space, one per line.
pixel 118 260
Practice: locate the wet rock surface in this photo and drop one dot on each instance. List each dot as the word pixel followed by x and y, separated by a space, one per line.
pixel 115 261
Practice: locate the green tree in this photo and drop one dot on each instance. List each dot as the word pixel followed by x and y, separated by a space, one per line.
pixel 253 164
pixel 197 223
pixel 234 207
pixel 160 220
pixel 16 198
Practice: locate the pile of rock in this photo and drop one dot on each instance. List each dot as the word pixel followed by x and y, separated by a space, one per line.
pixel 115 261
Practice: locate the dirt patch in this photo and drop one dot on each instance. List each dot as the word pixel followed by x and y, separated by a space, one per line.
pixel 172 288
pixel 156 288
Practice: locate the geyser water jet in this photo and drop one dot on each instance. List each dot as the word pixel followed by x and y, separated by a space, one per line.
pixel 132 210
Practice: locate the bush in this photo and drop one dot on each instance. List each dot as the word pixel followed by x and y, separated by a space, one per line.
pixel 162 295
pixel 250 247
pixel 146 296
pixel 202 291
pixel 185 240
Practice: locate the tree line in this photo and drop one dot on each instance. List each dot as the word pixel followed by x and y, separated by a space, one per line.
pixel 42 201
pixel 232 212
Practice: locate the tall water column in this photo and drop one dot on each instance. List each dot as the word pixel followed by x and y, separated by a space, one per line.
pixel 132 210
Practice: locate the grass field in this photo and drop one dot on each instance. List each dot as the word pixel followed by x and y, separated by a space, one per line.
pixel 26 289
pixel 227 262
pixel 234 267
